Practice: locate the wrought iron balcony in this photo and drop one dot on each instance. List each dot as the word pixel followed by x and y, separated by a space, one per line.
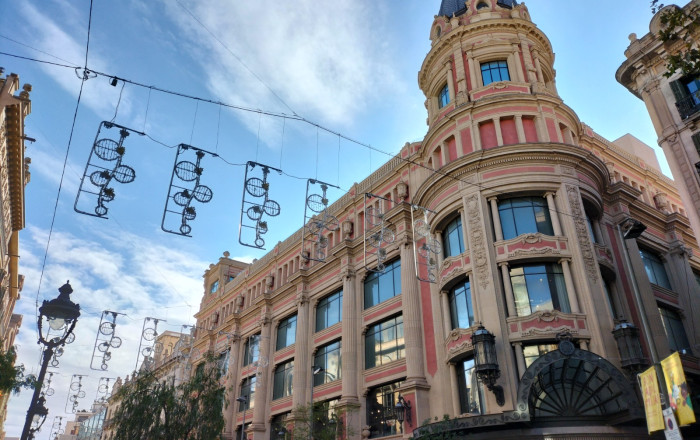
pixel 688 106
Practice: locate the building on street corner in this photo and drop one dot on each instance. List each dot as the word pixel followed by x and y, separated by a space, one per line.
pixel 478 274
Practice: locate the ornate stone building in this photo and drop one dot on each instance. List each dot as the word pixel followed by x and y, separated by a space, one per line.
pixel 524 203
pixel 14 175
pixel 673 104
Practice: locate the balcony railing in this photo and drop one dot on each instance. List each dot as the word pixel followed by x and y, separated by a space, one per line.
pixel 687 106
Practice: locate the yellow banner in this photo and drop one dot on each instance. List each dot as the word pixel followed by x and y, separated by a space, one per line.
pixel 652 401
pixel 678 391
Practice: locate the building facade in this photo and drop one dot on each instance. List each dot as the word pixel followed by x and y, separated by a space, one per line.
pixel 673 104
pixel 506 216
pixel 15 105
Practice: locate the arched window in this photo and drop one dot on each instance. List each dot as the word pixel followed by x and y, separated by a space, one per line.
pixel 524 215
pixel 461 309
pixel 444 97
pixel 539 287
pixel 452 238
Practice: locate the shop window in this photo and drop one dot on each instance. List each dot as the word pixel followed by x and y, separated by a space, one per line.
pixel 278 425
pixel 286 332
pixel 329 310
pixel 381 417
pixel 675 332
pixel 323 415
pixel 381 286
pixel 461 309
pixel 532 352
pixel 444 96
pixel 328 357
pixel 524 215
pixel 471 393
pixel 384 342
pixel 251 350
pixel 282 382
pixel 539 287
pixel 452 238
pixel 494 71
pixel 247 391
pixel 655 268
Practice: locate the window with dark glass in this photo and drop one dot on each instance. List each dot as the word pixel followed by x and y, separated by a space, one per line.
pixel 524 215
pixel 471 394
pixel 329 310
pixel 244 435
pixel 327 357
pixel 381 286
pixel 247 391
pixel 655 268
pixel 461 310
pixel 278 425
pixel 282 382
pixel 222 362
pixel 286 332
pixel 687 93
pixel 452 240
pixel 251 349
pixel 494 71
pixel 214 287
pixel 675 332
pixel 591 218
pixel 444 96
pixel 381 416
pixel 384 342
pixel 697 278
pixel 539 287
pixel 532 352
pixel 324 414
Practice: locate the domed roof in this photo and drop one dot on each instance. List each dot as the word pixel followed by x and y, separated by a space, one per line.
pixel 448 8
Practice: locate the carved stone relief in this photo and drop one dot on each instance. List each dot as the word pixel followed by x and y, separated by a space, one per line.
pixel 582 233
pixel 478 241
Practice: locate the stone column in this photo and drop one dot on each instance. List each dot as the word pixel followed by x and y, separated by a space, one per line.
pixel 450 81
pixel 302 366
pixel 520 129
pixel 510 298
pixel 440 256
pixel 520 358
pixel 412 325
pixel 520 76
pixel 454 384
pixel 472 70
pixel 553 213
pixel 231 383
pixel 570 289
pixel 446 316
pixel 496 218
pixel 499 134
pixel 261 394
pixel 351 322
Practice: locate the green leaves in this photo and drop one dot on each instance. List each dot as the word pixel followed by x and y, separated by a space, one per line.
pixel 12 378
pixel 680 25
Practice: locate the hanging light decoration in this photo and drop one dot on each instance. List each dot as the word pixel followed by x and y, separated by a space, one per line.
pixel 317 221
pixel 105 340
pixel 255 204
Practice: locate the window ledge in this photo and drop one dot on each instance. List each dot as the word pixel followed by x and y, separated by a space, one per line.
pixel 322 336
pixel 389 372
pixel 664 293
pixel 546 325
pixel 379 311
pixel 532 245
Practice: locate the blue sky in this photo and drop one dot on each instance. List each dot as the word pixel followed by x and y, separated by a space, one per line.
pixel 351 67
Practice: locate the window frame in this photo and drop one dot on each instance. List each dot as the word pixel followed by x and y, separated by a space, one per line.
pixel 521 225
pixel 286 323
pixel 214 287
pixel 393 270
pixel 559 300
pixel 672 320
pixel 453 231
pixel 499 65
pixel 222 361
pixel 465 403
pixel 655 268
pixel 321 360
pixel 444 96
pixel 542 349
pixel 247 358
pixel 393 324
pixel 248 384
pixel 454 302
pixel 381 418
pixel 282 381
pixel 326 305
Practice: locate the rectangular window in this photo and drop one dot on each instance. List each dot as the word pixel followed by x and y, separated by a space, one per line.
pixel 328 358
pixel 532 352
pixel 251 350
pixel 655 268
pixel 461 310
pixel 282 387
pixel 524 215
pixel 286 332
pixel 247 391
pixel 686 91
pixel 539 287
pixel 279 426
pixel 214 287
pixel 471 394
pixel 452 239
pixel 381 415
pixel 222 362
pixel 323 414
pixel 494 71
pixel 384 342
pixel 444 97
pixel 381 286
pixel 675 332
pixel 329 310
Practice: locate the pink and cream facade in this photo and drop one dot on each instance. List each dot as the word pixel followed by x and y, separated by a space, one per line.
pixel 525 202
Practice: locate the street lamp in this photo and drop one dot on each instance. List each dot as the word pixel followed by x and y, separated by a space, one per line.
pixel 39 416
pixel 402 410
pixel 314 371
pixel 631 357
pixel 486 362
pixel 61 314
pixel 243 400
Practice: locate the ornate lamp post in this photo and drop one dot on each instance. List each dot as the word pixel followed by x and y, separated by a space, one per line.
pixel 486 362
pixel 402 409
pixel 631 357
pixel 61 314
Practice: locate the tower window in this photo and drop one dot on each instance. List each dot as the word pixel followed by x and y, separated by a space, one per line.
pixel 444 96
pixel 494 71
pixel 482 5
